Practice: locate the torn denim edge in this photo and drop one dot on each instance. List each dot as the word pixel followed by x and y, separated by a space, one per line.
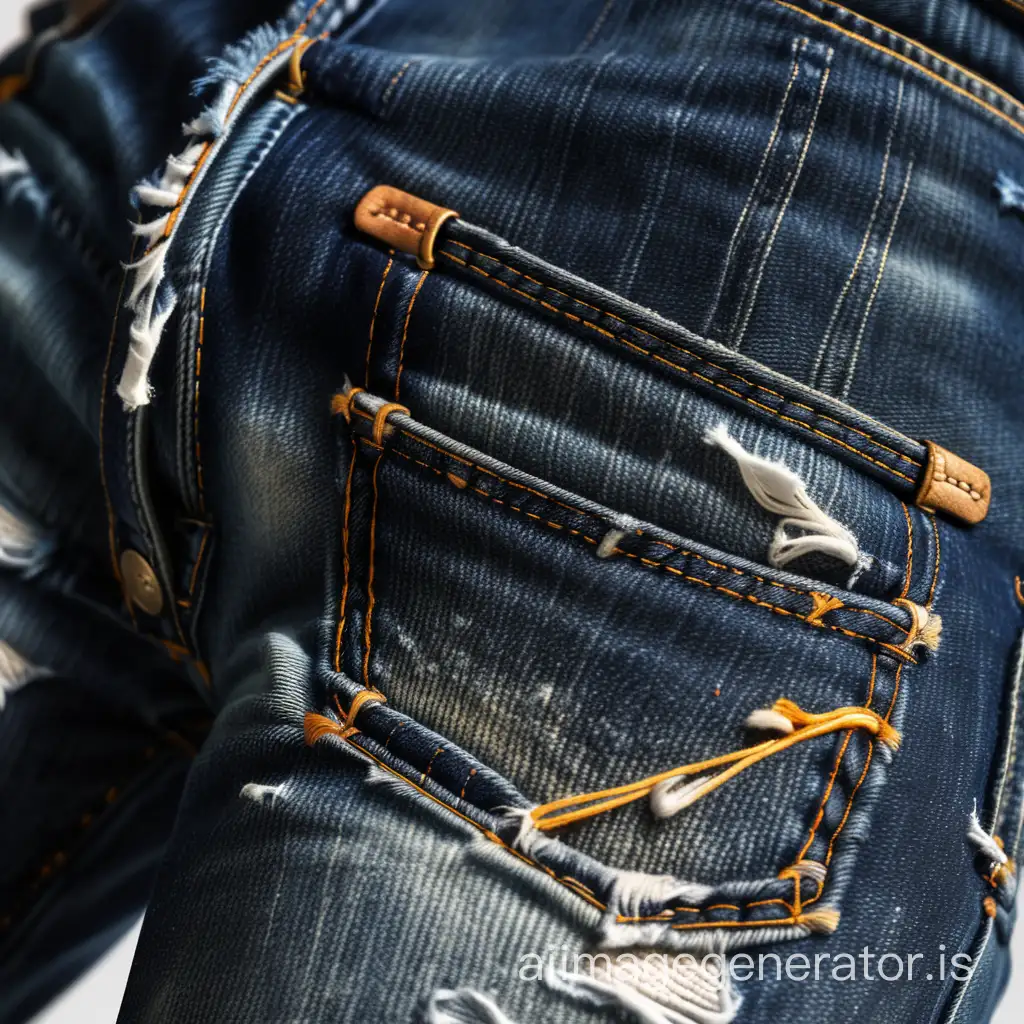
pixel 624 894
pixel 238 75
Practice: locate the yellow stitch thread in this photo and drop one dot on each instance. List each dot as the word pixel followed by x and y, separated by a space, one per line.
pixel 666 800
pixel 684 351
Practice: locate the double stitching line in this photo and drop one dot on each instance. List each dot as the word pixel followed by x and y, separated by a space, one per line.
pixel 981 82
pixel 693 373
pixel 678 573
pixel 888 715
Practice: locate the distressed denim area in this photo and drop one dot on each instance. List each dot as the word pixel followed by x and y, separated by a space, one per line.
pixel 492 559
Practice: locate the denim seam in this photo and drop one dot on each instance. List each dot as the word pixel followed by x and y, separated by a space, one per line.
pixel 345 561
pixel 447 799
pixel 104 386
pixel 679 348
pixel 448 802
pixel 855 791
pixel 907 583
pixel 995 100
pixel 192 475
pixel 405 330
pixel 690 372
pixel 376 309
pixel 640 532
pixel 370 596
pixel 651 563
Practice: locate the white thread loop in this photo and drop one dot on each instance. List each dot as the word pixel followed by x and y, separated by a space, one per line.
pixel 780 491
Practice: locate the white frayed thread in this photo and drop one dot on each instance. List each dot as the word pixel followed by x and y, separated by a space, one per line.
pixel 152 297
pixel 984 843
pixel 463 1006
pixel 810 870
pixel 655 993
pixel 780 491
pixel 16 672
pixel 633 895
pixel 20 542
pixel 610 542
pixel 926 626
pixel 259 793
pixel 769 720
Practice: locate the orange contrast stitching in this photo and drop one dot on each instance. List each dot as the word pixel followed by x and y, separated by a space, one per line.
pixel 984 83
pixel 405 331
pixel 195 401
pixel 689 372
pixel 344 560
pixel 888 715
pixel 903 655
pixel 376 306
pixel 908 575
pixel 111 519
pixel 389 92
pixel 565 880
pixel 1018 590
pixel 639 533
pixel 840 757
pixel 370 599
pixel 281 47
pixel 678 348
pixel 198 562
pixel 938 559
pixel 309 17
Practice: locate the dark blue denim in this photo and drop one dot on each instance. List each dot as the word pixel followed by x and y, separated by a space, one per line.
pixel 440 536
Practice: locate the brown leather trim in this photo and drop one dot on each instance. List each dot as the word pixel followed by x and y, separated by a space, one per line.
pixel 402 221
pixel 952 485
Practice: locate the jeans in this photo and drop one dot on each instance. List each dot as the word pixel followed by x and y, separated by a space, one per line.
pixel 540 540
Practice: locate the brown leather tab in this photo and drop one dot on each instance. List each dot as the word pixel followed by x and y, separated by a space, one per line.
pixel 402 221
pixel 954 486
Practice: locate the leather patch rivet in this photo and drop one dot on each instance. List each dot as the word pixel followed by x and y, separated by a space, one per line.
pixel 402 221
pixel 141 586
pixel 952 485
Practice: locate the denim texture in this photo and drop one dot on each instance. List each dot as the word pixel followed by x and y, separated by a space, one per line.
pixel 511 548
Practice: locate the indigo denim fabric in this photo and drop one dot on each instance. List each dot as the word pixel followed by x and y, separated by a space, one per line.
pixel 426 546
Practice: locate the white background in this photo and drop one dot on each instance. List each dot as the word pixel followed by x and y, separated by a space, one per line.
pixel 96 997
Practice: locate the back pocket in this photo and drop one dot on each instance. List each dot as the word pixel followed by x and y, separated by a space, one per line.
pixel 682 738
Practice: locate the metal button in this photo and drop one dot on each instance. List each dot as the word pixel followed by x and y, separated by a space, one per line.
pixel 140 583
